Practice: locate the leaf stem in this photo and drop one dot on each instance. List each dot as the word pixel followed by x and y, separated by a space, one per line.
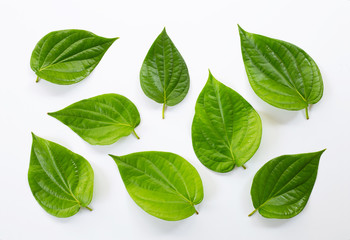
pixel 252 212
pixel 163 110
pixel 196 210
pixel 37 79
pixel 244 167
pixel 307 113
pixel 90 209
pixel 133 131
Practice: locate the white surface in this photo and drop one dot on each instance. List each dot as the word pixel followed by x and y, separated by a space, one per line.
pixel 206 34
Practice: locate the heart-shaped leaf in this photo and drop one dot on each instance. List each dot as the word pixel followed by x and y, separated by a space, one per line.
pixel 163 184
pixel 101 120
pixel 282 187
pixel 226 130
pixel 164 75
pixel 281 73
pixel 68 56
pixel 61 181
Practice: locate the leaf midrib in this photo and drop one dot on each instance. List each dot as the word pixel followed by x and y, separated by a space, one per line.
pixel 112 121
pixel 229 143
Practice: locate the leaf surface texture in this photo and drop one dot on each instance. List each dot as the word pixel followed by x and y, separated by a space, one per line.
pixel 226 130
pixel 68 56
pixel 61 181
pixel 101 120
pixel 280 73
pixel 164 75
pixel 163 184
pixel 282 187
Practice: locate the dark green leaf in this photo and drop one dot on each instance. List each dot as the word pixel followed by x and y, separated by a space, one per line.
pixel 61 181
pixel 164 75
pixel 163 184
pixel 68 56
pixel 101 120
pixel 226 130
pixel 282 187
pixel 281 73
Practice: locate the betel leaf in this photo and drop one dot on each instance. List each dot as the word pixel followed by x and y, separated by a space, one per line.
pixel 282 187
pixel 226 130
pixel 68 56
pixel 163 184
pixel 60 180
pixel 101 120
pixel 164 75
pixel 281 73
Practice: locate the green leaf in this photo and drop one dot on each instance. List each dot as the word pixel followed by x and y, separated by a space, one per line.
pixel 226 130
pixel 164 75
pixel 61 181
pixel 163 184
pixel 281 73
pixel 101 120
pixel 68 56
pixel 282 187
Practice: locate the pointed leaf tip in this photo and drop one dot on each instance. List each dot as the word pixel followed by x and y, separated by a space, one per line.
pixel 240 29
pixel 34 136
pixel 164 31
pixel 115 158
pixel 322 151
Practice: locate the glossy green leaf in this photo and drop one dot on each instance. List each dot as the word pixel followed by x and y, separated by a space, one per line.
pixel 281 73
pixel 61 181
pixel 282 187
pixel 68 56
pixel 101 120
pixel 163 184
pixel 226 130
pixel 164 75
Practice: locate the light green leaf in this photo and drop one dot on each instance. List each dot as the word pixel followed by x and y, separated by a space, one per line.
pixel 282 187
pixel 226 130
pixel 61 181
pixel 68 56
pixel 101 120
pixel 281 73
pixel 163 184
pixel 164 75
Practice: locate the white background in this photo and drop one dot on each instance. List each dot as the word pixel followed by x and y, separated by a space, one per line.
pixel 205 32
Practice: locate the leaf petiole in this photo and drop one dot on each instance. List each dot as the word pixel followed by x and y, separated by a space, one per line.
pixel 252 212
pixel 37 79
pixel 88 208
pixel 163 110
pixel 133 131
pixel 307 113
